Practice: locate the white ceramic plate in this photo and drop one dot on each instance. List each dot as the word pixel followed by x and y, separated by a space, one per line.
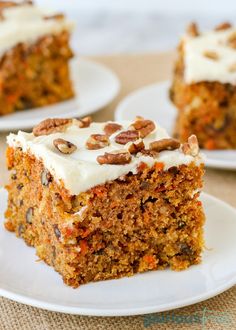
pixel 95 86
pixel 153 102
pixel 34 283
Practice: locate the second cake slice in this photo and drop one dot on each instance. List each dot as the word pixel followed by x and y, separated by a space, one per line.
pixel 204 87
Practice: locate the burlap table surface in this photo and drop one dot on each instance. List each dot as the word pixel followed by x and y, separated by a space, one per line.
pixel 134 71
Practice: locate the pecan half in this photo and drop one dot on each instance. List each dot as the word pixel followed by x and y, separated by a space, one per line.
pixel 111 128
pixel 193 143
pixel 119 157
pixel 29 215
pixel 143 126
pixel 65 147
pixel 191 147
pixel 7 4
pixel 223 26
pixel 83 122
pixel 127 136
pixel 135 147
pixel 97 141
pixel 164 144
pixel 192 30
pixel 232 67
pixel 211 55
pixel 232 40
pixel 56 16
pixel 49 126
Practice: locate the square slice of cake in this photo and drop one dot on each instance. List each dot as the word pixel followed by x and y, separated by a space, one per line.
pixel 204 87
pixel 105 200
pixel 34 57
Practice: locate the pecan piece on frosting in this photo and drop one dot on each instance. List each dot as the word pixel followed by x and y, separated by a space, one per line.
pixel 65 147
pixel 51 125
pixel 97 141
pixel 148 152
pixel 136 147
pixel 191 147
pixel 119 157
pixel 192 30
pixel 223 26
pixel 143 126
pixel 232 40
pixel 8 4
pixel 127 136
pixel 55 16
pixel 232 67
pixel 211 55
pixel 83 122
pixel 164 144
pixel 111 128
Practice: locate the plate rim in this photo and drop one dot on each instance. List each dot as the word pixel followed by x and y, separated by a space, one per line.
pixel 119 108
pixel 74 110
pixel 122 107
pixel 20 298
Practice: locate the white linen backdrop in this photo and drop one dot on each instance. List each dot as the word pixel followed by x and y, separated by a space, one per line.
pixel 131 26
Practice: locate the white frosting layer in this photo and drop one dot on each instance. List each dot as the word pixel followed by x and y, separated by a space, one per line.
pixel 200 68
pixel 26 24
pixel 80 170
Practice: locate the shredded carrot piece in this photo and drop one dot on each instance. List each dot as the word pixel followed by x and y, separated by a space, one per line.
pixel 12 98
pixel 150 260
pixel 100 191
pixel 10 157
pixel 141 167
pixel 146 217
pixel 159 166
pixel 69 231
pixel 114 204
pixel 84 246
pixel 86 233
pixel 210 144
pixel 161 188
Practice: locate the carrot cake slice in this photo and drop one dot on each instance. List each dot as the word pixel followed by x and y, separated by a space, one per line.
pixel 34 57
pixel 105 200
pixel 204 87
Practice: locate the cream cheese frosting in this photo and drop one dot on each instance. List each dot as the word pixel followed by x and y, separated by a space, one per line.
pixel 80 170
pixel 199 67
pixel 26 23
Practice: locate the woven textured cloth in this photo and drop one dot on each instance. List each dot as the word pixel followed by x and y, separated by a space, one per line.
pixel 216 313
pixel 219 312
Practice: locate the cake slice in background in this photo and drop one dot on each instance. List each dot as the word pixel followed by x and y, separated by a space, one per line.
pixel 34 57
pixel 204 87
pixel 105 200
